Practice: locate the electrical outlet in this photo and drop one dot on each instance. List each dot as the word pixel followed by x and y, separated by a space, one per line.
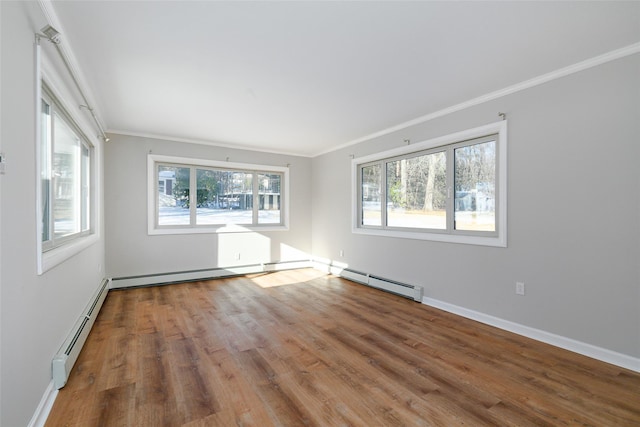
pixel 341 252
pixel 520 288
pixel 238 256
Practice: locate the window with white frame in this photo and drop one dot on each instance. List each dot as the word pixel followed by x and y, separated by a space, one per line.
pixel 448 189
pixel 195 196
pixel 65 176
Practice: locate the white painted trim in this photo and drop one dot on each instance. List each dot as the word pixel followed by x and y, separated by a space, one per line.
pixel 41 414
pixel 500 240
pixel 152 159
pixel 329 266
pixel 203 229
pixel 435 237
pixel 46 71
pixel 37 52
pixel 53 257
pixel 52 19
pixel 216 163
pixel 204 142
pixel 589 350
pixel 204 274
pixel 527 84
pixel 625 361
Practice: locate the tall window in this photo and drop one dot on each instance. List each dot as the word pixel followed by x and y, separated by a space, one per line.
pixel 65 171
pixel 450 189
pixel 200 196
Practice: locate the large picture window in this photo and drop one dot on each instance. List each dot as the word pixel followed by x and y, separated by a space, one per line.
pixel 190 195
pixel 449 189
pixel 65 176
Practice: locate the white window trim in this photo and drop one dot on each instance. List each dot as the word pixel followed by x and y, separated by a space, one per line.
pixel 152 182
pixel 45 261
pixel 501 223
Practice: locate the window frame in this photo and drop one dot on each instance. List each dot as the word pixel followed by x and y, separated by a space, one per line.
pixel 448 143
pixel 57 112
pixel 55 251
pixel 156 160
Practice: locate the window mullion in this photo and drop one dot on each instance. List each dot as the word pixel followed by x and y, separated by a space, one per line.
pixel 52 199
pixel 156 192
pixel 77 179
pixel 451 190
pixel 383 193
pixel 255 187
pixel 360 193
pixel 193 196
pixel 497 183
pixel 50 147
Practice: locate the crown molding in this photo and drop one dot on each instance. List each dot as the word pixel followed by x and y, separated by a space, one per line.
pixel 527 84
pixel 203 142
pixel 50 15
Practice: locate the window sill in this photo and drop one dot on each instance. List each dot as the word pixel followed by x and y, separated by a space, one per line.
pixel 217 230
pixel 57 256
pixel 497 241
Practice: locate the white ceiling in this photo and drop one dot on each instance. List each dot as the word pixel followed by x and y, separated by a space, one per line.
pixel 305 77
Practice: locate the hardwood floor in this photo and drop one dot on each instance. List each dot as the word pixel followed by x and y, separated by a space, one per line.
pixel 301 348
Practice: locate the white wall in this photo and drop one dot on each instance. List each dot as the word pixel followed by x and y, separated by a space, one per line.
pixel 37 312
pixel 573 214
pixel 131 251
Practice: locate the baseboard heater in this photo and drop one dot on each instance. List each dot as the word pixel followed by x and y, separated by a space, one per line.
pixel 68 354
pixel 403 289
pixel 173 277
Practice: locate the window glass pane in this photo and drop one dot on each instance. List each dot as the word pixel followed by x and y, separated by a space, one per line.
pixel 224 197
pixel 269 200
pixel 66 176
pixel 173 197
pixel 45 170
pixel 417 192
pixel 371 179
pixel 475 186
pixel 65 158
pixel 209 209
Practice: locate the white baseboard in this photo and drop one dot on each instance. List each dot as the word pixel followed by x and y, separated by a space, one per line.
pixel 203 274
pixel 44 407
pixel 327 266
pixel 589 350
pixel 599 353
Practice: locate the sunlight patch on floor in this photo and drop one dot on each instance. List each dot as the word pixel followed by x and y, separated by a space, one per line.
pixel 284 278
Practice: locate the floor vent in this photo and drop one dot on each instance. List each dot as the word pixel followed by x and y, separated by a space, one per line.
pixel 68 353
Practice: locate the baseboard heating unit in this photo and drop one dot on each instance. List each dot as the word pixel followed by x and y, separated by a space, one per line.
pixel 403 289
pixel 399 288
pixel 70 350
pixel 168 278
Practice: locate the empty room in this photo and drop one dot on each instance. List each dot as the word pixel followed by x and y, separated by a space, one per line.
pixel 323 213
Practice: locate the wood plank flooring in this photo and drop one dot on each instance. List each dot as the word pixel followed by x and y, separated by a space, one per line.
pixel 301 348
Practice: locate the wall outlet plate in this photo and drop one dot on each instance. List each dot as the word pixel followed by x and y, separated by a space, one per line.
pixel 520 288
